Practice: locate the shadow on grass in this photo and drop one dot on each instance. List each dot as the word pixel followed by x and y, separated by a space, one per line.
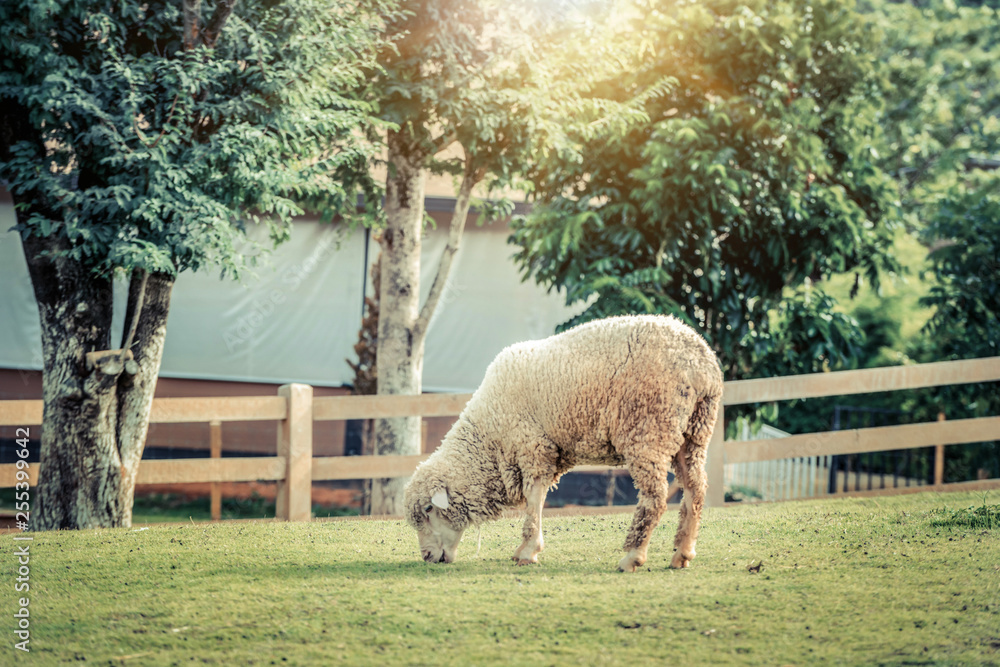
pixel 373 569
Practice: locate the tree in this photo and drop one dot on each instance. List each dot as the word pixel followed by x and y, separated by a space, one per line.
pixel 944 146
pixel 453 79
pixel 941 86
pixel 748 177
pixel 966 302
pixel 939 61
pixel 137 139
pixel 966 297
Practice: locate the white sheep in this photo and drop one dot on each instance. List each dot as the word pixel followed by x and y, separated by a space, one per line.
pixel 639 391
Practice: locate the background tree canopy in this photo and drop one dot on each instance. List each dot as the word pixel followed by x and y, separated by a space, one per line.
pixel 147 147
pixel 780 158
pixel 941 85
pixel 747 176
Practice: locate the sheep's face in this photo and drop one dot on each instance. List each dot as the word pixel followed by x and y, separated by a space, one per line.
pixel 438 537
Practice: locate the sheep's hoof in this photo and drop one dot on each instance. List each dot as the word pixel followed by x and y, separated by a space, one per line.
pixel 679 561
pixel 630 563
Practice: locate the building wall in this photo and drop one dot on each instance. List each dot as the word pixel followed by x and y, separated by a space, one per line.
pixel 296 320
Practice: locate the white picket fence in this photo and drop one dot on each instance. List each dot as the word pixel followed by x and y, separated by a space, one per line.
pixel 778 479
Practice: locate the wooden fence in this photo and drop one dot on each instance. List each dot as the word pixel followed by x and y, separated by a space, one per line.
pixel 295 409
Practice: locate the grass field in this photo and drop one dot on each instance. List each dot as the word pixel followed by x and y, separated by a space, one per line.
pixel 166 508
pixel 903 580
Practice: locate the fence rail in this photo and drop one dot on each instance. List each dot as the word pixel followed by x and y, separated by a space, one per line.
pixel 295 409
pixel 330 408
pixel 865 381
pixel 877 439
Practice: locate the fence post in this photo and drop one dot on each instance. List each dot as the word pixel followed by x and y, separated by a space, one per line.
pixel 939 459
pixel 294 502
pixel 215 452
pixel 715 467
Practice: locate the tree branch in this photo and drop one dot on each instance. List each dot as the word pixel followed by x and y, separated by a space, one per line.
pixel 136 309
pixel 138 132
pixel 986 164
pixel 192 23
pixel 470 179
pixel 223 10
pixel 919 172
pixel 135 397
pixel 442 141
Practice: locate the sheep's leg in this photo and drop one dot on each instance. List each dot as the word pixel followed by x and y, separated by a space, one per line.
pixel 650 478
pixel 690 468
pixel 533 543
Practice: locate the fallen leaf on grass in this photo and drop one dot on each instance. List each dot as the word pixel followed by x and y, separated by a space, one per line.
pixel 123 658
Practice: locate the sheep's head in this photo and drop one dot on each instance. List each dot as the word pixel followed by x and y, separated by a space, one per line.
pixel 438 524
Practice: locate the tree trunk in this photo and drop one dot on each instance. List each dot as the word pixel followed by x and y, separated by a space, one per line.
pixel 96 400
pixel 402 324
pixel 366 372
pixel 400 351
pixel 135 391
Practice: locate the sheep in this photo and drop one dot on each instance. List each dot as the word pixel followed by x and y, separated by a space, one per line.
pixel 641 391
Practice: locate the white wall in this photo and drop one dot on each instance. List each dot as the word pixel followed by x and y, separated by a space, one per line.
pixel 298 319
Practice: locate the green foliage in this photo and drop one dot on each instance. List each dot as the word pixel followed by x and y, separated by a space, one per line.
pixel 956 120
pixel 163 508
pixel 943 107
pixel 740 492
pixel 747 170
pixel 943 129
pixel 143 151
pixel 808 334
pixel 456 73
pixel 943 95
pixel 966 302
pixel 892 317
pixel 966 264
pixel 481 88
pixel 942 90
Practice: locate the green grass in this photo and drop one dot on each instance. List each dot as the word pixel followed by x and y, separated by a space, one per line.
pixel 161 508
pixel 865 582
pixel 165 508
pixel 157 508
pixel 982 517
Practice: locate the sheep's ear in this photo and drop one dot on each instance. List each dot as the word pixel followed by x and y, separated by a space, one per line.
pixel 440 499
